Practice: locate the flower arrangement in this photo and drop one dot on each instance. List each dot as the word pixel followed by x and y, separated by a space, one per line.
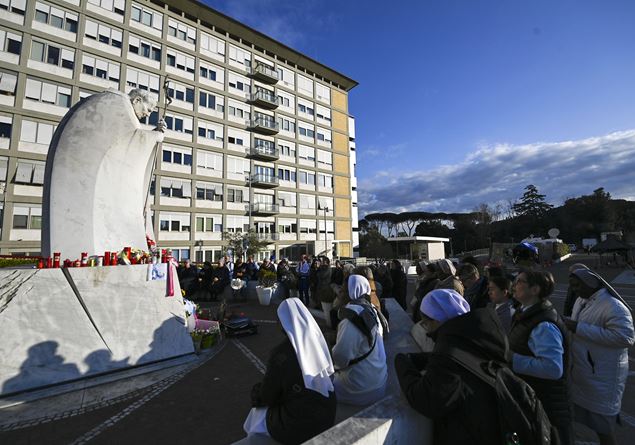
pixel 206 337
pixel 267 278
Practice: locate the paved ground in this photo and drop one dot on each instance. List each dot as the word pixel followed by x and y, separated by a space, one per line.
pixel 207 404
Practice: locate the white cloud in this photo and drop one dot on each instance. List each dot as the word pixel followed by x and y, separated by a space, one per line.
pixel 496 173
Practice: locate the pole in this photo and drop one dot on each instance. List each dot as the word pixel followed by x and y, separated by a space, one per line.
pixel 326 209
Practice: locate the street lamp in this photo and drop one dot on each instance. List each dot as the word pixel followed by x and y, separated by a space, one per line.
pixel 326 209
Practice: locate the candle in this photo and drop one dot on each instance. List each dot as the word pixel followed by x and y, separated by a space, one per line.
pixel 84 260
pixel 106 258
pixel 56 259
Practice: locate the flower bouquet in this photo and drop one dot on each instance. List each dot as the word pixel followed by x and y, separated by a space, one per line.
pixel 209 332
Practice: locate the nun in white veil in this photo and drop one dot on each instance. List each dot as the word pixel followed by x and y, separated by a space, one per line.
pixel 296 400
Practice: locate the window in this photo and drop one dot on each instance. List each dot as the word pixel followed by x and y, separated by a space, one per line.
pixel 176 156
pixel 306 108
pixel 286 124
pixel 234 195
pixel 209 72
pixel 325 180
pixel 286 149
pixel 14 6
pixel 180 61
pixel 238 165
pixel 176 188
pixel 6 124
pixel 209 192
pixel 307 202
pixel 329 226
pixel 286 77
pixel 305 85
pixel 95 66
pixel 306 130
pixel 146 16
pixel 181 31
pixel 285 174
pixel 212 46
pixel 27 217
pixel 4 163
pixel 174 222
pixel 237 223
pixel 29 172
pixel 286 199
pixel 323 114
pixel 287 226
pixel 322 93
pixel 324 159
pixel 325 203
pixel 308 226
pixel 239 82
pixel 181 92
pixel 54 55
pixel 209 160
pixel 209 130
pixel 103 34
pixel 209 223
pixel 237 137
pixel 285 100
pixel 144 48
pixel 211 101
pixel 306 178
pixel 36 132
pixel 180 124
pixel 307 153
pixel 116 6
pixel 240 56
pixel 8 83
pixel 10 43
pixel 323 136
pixel 238 110
pixel 142 80
pixel 48 93
pixel 56 17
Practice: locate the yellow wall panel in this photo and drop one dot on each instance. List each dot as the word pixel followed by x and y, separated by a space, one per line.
pixel 340 163
pixel 339 100
pixel 342 208
pixel 340 121
pixel 340 142
pixel 342 186
pixel 344 250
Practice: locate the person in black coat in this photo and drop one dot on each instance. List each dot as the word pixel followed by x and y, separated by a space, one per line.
pixel 399 283
pixel 462 406
pixel 296 400
pixel 220 280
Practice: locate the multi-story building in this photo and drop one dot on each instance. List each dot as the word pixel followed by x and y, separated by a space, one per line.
pixel 259 135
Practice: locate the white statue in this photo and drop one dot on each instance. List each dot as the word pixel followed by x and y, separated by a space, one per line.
pixel 98 174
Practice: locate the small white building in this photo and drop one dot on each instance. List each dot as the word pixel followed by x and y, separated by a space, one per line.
pixel 428 248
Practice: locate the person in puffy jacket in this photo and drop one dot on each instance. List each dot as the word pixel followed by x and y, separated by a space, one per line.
pixel 602 327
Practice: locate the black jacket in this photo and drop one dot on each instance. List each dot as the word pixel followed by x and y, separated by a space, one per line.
pixel 477 295
pixel 462 407
pixel 295 413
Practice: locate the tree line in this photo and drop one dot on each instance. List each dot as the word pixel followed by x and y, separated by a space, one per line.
pixel 579 217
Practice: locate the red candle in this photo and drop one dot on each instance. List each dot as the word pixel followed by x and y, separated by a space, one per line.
pixel 56 259
pixel 49 262
pixel 84 260
pixel 106 258
pixel 68 263
pixel 40 263
pixel 77 263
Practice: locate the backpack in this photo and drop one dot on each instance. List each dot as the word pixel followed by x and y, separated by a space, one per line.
pixel 521 417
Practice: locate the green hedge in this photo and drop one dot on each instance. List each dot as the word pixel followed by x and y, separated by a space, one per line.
pixel 16 262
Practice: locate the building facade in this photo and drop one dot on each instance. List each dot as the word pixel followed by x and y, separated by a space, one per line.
pixel 259 135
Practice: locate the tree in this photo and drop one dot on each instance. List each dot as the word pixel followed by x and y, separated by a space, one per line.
pixel 374 245
pixel 245 242
pixel 532 203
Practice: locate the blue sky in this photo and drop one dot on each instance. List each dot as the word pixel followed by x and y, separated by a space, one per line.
pixel 463 102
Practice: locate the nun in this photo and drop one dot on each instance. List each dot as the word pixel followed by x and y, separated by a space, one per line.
pixel 295 401
pixel 358 354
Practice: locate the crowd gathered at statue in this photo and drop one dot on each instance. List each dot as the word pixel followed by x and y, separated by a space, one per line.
pixel 575 361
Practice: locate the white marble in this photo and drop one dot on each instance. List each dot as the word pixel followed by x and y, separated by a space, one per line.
pixel 48 337
pixel 97 176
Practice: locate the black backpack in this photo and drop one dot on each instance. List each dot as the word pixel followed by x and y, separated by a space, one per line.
pixel 521 417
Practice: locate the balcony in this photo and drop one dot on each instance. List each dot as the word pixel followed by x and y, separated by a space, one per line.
pixel 264 152
pixel 264 74
pixel 264 99
pixel 263 208
pixel 263 125
pixel 264 181
pixel 267 236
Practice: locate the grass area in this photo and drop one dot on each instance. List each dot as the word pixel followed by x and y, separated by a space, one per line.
pixel 18 262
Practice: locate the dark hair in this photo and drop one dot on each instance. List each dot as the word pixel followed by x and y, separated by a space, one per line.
pixel 544 280
pixel 364 271
pixel 467 270
pixel 501 282
pixel 432 267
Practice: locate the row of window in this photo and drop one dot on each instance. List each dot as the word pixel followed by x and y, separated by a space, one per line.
pixel 178 32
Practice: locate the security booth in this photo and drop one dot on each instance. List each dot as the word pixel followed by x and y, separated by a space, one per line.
pixel 429 248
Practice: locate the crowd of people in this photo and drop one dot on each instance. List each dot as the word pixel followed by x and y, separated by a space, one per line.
pixel 576 362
